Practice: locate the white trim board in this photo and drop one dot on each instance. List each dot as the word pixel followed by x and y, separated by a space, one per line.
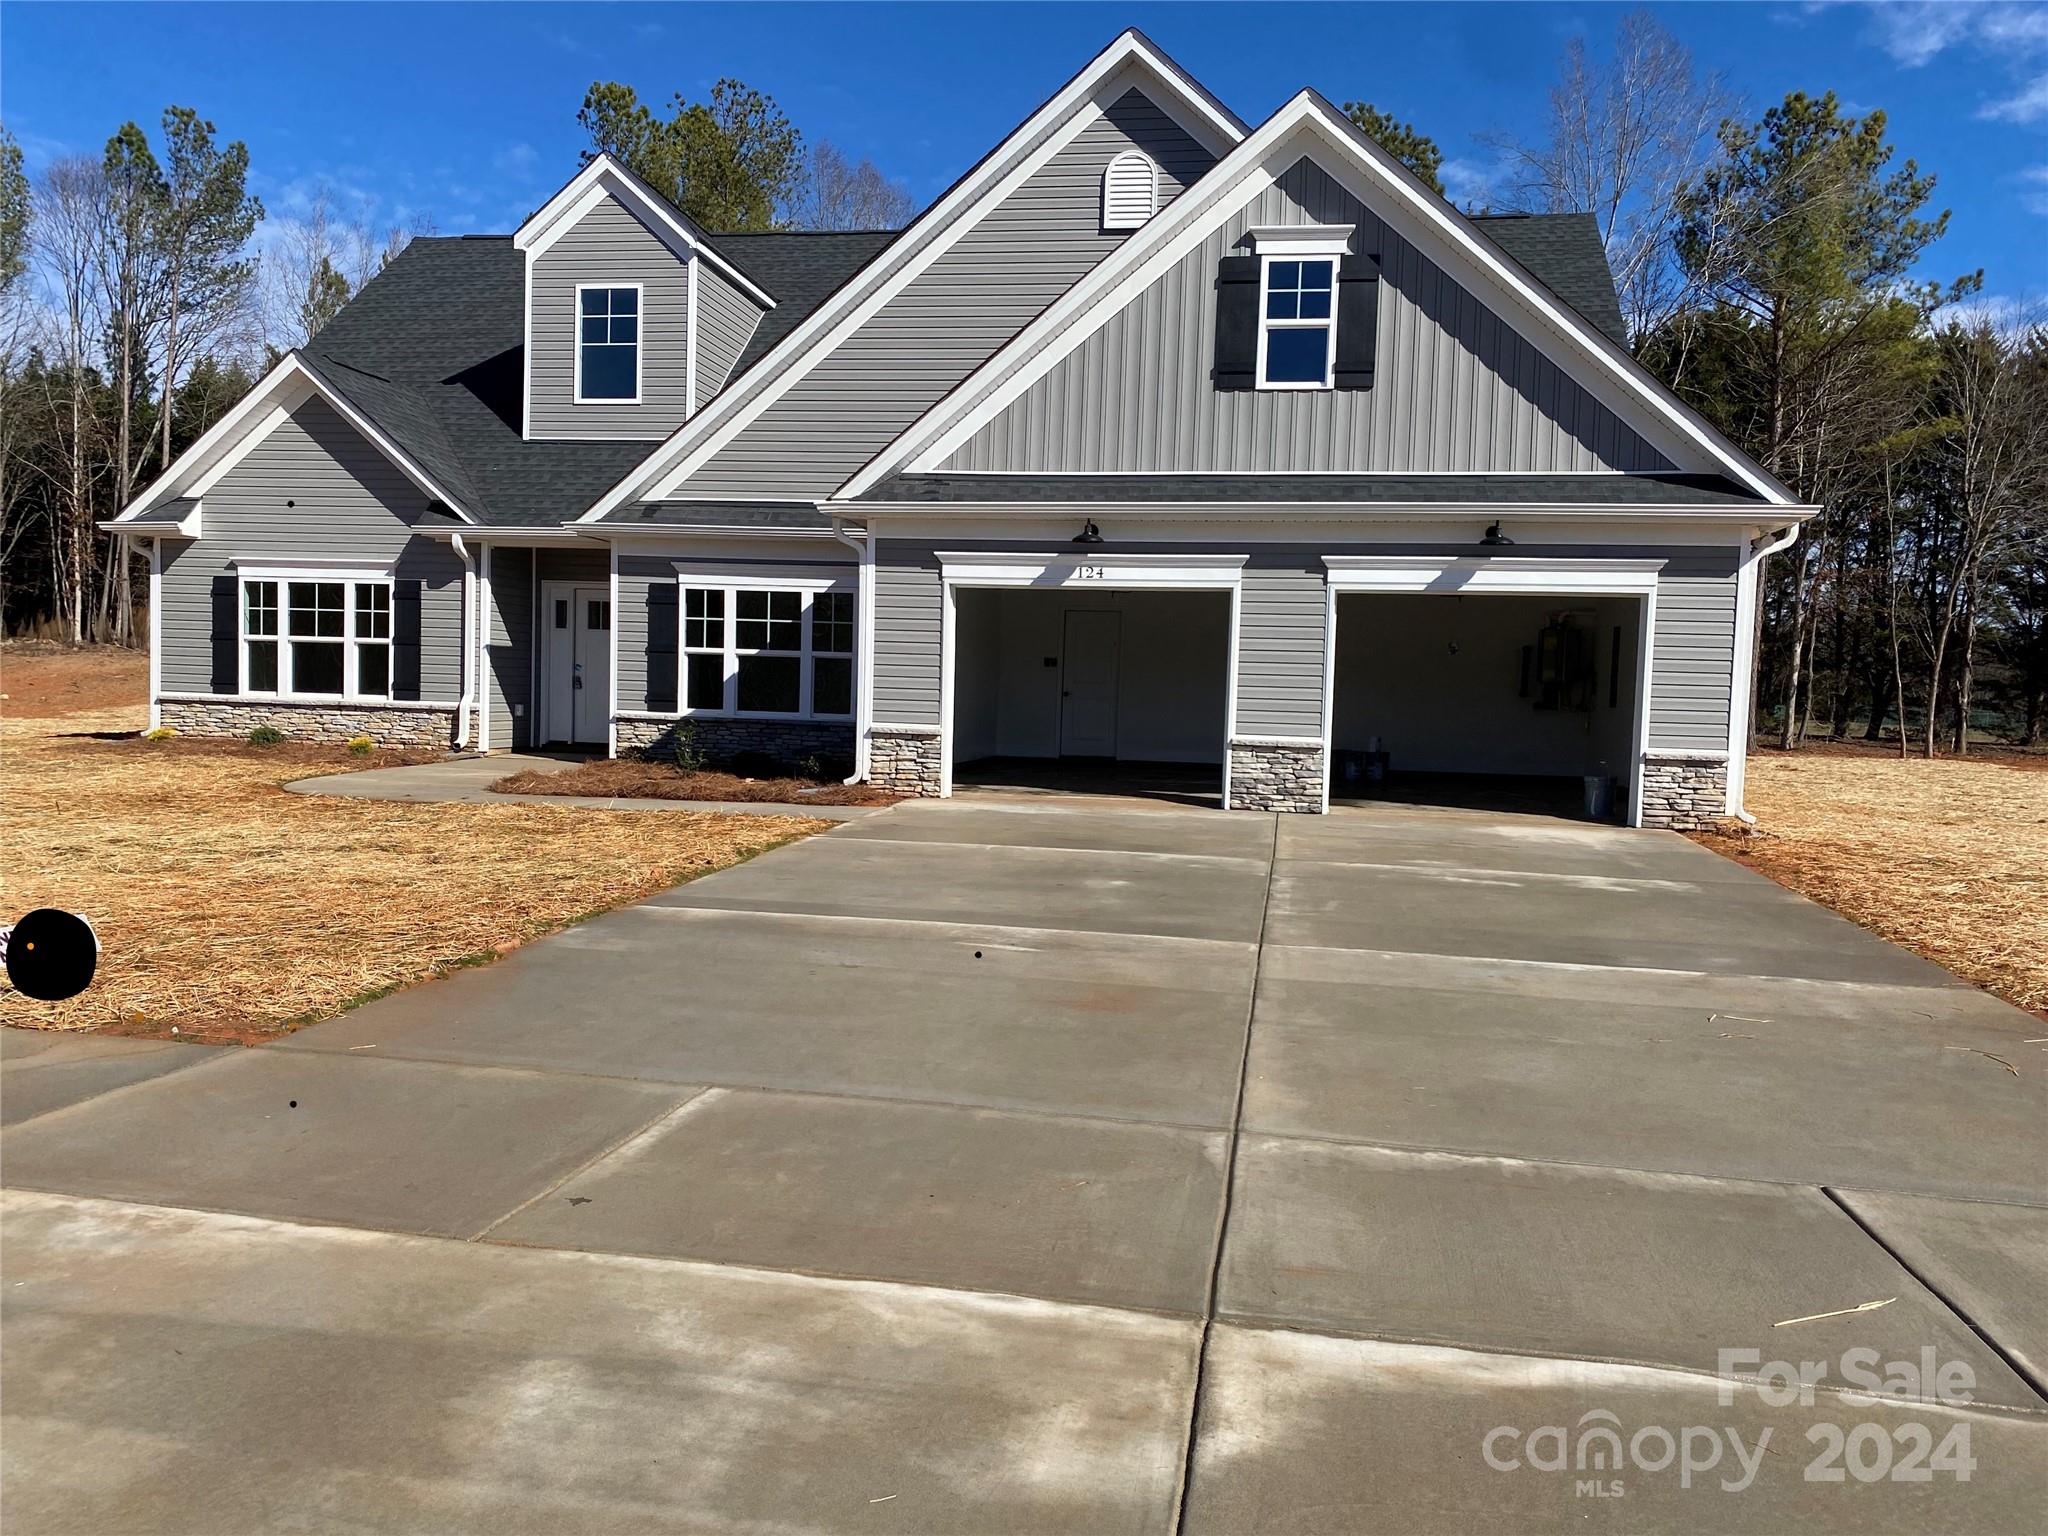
pixel 1131 60
pixel 1476 574
pixel 1307 123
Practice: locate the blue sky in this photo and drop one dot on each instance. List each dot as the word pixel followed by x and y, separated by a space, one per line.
pixel 465 115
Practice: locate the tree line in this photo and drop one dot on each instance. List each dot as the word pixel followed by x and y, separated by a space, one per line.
pixel 1766 266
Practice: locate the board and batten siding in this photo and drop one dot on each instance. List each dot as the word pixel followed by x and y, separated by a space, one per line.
pixel 350 504
pixel 649 625
pixel 725 324
pixel 508 665
pixel 1024 253
pixel 1455 387
pixel 609 246
pixel 1692 663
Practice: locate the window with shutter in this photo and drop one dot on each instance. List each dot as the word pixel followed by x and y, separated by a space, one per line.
pixel 1130 191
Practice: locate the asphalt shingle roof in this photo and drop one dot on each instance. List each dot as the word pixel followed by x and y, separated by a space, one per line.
pixel 1676 490
pixel 1562 251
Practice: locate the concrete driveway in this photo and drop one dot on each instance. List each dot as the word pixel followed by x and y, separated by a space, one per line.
pixel 995 1167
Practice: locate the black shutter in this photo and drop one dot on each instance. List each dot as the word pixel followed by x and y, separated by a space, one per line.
pixel 664 629
pixel 1237 322
pixel 227 635
pixel 405 640
pixel 1358 320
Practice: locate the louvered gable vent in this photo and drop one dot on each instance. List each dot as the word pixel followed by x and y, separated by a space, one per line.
pixel 1130 191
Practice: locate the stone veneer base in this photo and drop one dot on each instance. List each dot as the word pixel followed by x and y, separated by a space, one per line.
pixel 906 761
pixel 1276 776
pixel 830 741
pixel 1681 793
pixel 390 726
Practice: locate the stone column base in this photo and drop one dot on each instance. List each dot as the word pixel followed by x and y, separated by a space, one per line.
pixel 1682 793
pixel 396 725
pixel 906 759
pixel 1273 775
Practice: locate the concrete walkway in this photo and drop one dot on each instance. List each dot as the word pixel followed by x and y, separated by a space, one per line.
pixel 990 1166
pixel 468 780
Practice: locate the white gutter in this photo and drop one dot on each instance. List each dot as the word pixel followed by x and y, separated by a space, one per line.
pixel 462 705
pixel 863 661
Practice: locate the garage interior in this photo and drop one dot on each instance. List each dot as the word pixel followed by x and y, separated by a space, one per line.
pixel 1099 692
pixel 1491 702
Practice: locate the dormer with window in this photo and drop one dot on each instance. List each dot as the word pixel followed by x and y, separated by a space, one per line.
pixel 633 321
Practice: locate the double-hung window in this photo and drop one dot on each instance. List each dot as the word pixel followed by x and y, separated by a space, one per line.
pixel 608 345
pixel 316 636
pixel 783 651
pixel 1298 328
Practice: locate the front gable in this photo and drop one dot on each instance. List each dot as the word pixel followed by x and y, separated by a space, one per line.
pixel 1457 388
pixel 1485 369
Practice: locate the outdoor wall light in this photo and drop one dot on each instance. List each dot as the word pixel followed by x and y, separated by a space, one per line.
pixel 1089 534
pixel 1494 538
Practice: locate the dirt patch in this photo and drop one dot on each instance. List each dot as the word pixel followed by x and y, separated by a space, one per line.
pixel 231 909
pixel 39 680
pixel 1948 857
pixel 627 779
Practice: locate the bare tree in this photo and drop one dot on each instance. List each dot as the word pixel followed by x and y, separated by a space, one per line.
pixel 71 219
pixel 1624 139
pixel 316 262
pixel 837 194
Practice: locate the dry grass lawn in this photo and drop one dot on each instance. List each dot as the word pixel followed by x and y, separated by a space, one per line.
pixel 231 909
pixel 1948 857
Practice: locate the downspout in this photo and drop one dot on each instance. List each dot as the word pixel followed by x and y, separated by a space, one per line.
pixel 864 649
pixel 462 705
pixel 1781 540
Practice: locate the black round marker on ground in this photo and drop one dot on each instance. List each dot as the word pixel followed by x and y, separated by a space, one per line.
pixel 51 955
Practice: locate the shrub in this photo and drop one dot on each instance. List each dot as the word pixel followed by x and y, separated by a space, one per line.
pixel 810 768
pixel 161 733
pixel 689 756
pixel 265 736
pixel 361 746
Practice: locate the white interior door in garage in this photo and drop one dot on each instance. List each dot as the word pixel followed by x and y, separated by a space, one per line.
pixel 1090 658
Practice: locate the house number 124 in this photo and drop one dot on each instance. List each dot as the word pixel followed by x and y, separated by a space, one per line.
pixel 1087 573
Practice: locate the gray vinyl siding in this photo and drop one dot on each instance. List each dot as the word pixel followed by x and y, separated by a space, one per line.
pixel 1692 665
pixel 508 667
pixel 1024 253
pixel 648 624
pixel 1282 610
pixel 1456 388
pixel 609 245
pixel 1281 633
pixel 351 503
pixel 725 323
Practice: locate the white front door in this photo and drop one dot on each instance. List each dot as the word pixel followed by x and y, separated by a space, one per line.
pixel 1088 679
pixel 577 623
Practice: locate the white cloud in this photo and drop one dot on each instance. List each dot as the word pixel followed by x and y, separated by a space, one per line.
pixel 2007 313
pixel 2030 104
pixel 2035 198
pixel 1916 33
pixel 515 159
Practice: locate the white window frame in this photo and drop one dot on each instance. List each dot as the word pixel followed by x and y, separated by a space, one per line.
pixel 352 643
pixel 1300 242
pixel 639 341
pixel 731 587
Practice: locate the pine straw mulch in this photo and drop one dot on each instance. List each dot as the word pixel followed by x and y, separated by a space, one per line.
pixel 633 779
pixel 1948 857
pixel 40 679
pixel 230 909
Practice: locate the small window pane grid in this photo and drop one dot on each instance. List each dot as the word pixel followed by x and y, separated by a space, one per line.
pixel 1296 340
pixel 317 639
pixel 608 344
pixel 785 654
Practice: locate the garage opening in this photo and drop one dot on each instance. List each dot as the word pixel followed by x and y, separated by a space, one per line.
pixel 1091 692
pixel 1491 701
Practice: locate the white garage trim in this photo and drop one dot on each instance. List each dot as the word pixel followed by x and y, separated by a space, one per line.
pixel 1062 570
pixel 1478 575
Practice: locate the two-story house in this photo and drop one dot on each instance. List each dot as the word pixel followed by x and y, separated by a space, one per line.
pixel 1158 438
